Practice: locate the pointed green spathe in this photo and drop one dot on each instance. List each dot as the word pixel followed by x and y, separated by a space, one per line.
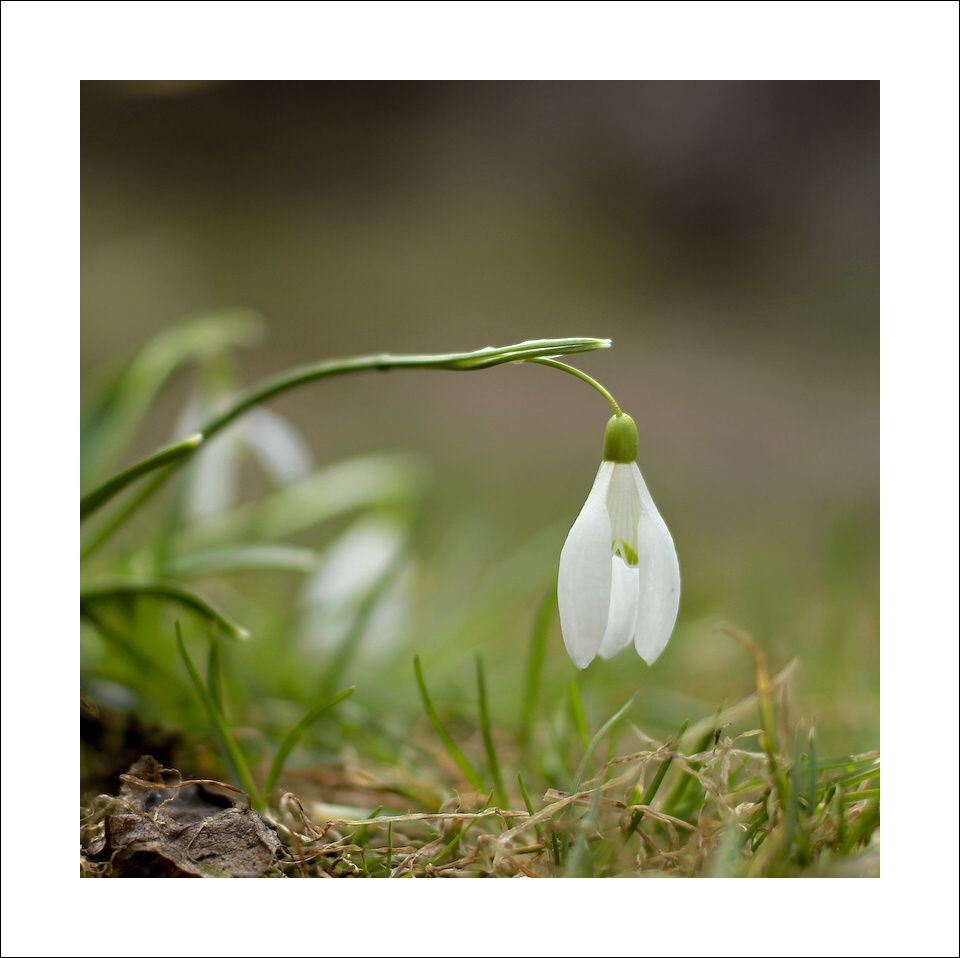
pixel 619 578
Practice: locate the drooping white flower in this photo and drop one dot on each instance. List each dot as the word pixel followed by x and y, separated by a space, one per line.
pixel 619 578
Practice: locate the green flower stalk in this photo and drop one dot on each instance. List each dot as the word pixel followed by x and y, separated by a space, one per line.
pixel 536 350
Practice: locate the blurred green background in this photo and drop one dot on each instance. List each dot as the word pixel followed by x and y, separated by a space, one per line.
pixel 724 235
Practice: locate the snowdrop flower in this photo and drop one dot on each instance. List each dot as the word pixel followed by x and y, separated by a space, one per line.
pixel 619 579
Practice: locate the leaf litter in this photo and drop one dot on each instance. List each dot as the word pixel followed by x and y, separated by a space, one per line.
pixel 185 830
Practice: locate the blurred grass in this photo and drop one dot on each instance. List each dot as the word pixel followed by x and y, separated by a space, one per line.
pixel 472 589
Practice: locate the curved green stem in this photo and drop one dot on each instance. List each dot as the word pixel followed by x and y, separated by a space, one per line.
pixel 589 380
pixel 532 350
pixel 538 350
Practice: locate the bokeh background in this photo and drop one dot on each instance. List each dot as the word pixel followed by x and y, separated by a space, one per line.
pixel 724 235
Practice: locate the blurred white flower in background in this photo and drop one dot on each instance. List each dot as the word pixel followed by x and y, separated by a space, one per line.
pixel 267 436
pixel 366 564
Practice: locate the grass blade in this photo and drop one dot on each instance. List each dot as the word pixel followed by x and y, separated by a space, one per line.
pixel 215 669
pixel 529 805
pixel 453 841
pixel 654 786
pixel 141 661
pixel 579 717
pixel 236 763
pixel 293 736
pixel 350 642
pixel 865 823
pixel 444 735
pixel 135 502
pixel 162 590
pixel 361 833
pixel 789 834
pixel 538 647
pixel 485 731
pixel 243 557
pixel 647 797
pixel 595 741
pixel 676 797
pixel 768 740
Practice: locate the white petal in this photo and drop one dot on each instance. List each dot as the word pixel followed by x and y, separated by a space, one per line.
pixel 623 505
pixel 659 596
pixel 624 599
pixel 584 579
